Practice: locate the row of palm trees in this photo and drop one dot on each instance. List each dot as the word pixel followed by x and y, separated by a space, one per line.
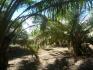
pixel 53 9
pixel 74 29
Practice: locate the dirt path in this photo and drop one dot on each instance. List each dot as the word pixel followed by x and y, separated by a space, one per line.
pixel 50 59
pixel 49 56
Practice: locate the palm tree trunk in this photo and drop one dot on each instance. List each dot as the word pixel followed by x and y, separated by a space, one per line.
pixel 3 59
pixel 4 45
pixel 77 49
pixel 76 43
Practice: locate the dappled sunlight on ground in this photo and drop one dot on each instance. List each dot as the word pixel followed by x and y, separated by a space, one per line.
pixel 50 59
pixel 16 63
pixel 47 56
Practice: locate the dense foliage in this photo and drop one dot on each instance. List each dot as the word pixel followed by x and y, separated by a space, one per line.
pixel 52 31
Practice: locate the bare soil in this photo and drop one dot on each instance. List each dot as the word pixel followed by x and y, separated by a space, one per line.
pixel 50 59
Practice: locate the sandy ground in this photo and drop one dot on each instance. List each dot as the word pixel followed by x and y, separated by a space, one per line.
pixel 50 59
pixel 49 56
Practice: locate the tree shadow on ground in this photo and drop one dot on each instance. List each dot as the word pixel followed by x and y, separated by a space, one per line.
pixel 28 65
pixel 48 49
pixel 59 64
pixel 17 52
pixel 86 65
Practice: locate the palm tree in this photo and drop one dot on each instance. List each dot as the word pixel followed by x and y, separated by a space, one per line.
pixel 8 8
pixel 77 33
